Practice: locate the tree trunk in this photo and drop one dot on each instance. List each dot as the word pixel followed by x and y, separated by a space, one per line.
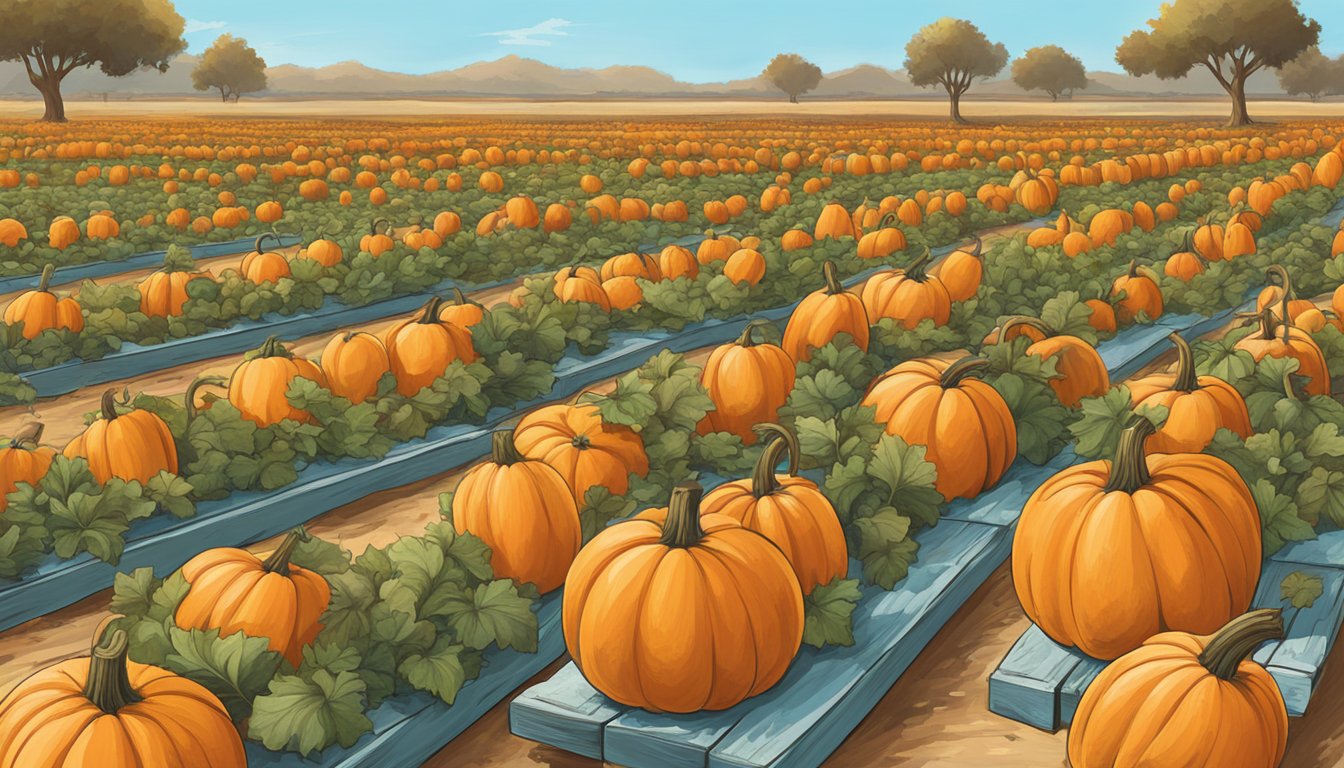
pixel 1236 88
pixel 50 88
pixel 793 98
pixel 1054 96
pixel 955 99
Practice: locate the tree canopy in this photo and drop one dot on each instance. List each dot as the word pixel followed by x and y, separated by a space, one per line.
pixel 792 74
pixel 1313 74
pixel 232 66
pixel 1233 39
pixel 1051 69
pixel 952 53
pixel 55 37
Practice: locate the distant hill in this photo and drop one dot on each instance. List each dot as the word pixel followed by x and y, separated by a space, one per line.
pixel 516 76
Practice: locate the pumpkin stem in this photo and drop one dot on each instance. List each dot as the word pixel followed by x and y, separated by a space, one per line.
pixel 201 381
pixel 108 685
pixel 1023 321
pixel 272 347
pixel 977 248
pixel 109 404
pixel 1238 639
pixel 966 366
pixel 256 246
pixel 502 449
pixel 278 561
pixel 1269 325
pixel 682 527
pixel 745 339
pixel 1129 466
pixel 1187 379
pixel 1133 268
pixel 888 220
pixel 1289 387
pixel 781 438
pixel 582 442
pixel 30 435
pixel 916 270
pixel 373 226
pixel 832 276
pixel 430 314
pixel 45 281
pixel 461 299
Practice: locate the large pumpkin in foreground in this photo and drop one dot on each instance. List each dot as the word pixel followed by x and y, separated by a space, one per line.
pixel 677 612
pixel 583 448
pixel 1109 553
pixel 233 590
pixel 104 711
pixel 1186 700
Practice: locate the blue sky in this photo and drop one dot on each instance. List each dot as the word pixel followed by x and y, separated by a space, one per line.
pixel 693 40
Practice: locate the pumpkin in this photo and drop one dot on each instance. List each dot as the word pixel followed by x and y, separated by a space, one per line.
pixel 678 612
pixel 675 261
pixel 576 284
pixel 1185 263
pixel 1135 293
pixel 39 310
pixel 131 446
pixel 324 251
pixel 105 710
pixel 1238 240
pixel 1109 224
pixel 462 311
pixel 1103 315
pixel 1208 240
pixel 62 232
pixel 558 218
pixel 795 239
pixel 259 384
pixel 233 590
pixel 354 364
pixel 522 212
pixel 523 510
pixel 1081 371
pixel 1197 406
pixel 101 226
pixel 1272 296
pixel 421 348
pixel 632 264
pixel 264 266
pixel 883 241
pixel 379 239
pixel 790 511
pixel 164 293
pixel 746 265
pixel 909 296
pixel 1186 699
pixel 1109 553
pixel 24 460
pixel 834 221
pixel 446 224
pixel 623 292
pixel 585 450
pixel 965 424
pixel 748 383
pixel 824 314
pixel 12 232
pixel 1278 338
pixel 961 271
pixel 714 248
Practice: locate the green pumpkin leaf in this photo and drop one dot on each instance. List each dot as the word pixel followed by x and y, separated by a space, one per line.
pixel 320 556
pixel 1301 590
pixel 306 716
pixel 171 493
pixel 497 614
pixel 909 478
pixel 1279 518
pixel 236 668
pixel 600 507
pixel 1042 421
pixel 439 671
pixel 827 613
pixel 332 658
pixel 1322 492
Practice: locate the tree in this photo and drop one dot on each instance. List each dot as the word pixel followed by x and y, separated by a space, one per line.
pixel 1233 39
pixel 55 37
pixel 232 66
pixel 1313 75
pixel 1051 69
pixel 952 53
pixel 792 74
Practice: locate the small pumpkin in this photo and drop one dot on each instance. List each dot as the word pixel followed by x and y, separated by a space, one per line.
pixel 131 446
pixel 39 310
pixel 1208 240
pixel 1135 293
pixel 233 590
pixel 462 311
pixel 883 241
pixel 714 248
pixel 1185 263
pixel 1081 371
pixel 1278 338
pixel 261 266
pixel 523 510
pixel 623 292
pixel 1096 563
pixel 354 363
pixel 675 261
pixel 835 222
pixel 259 384
pixel 324 251
pixel 632 264
pixel 1197 406
pixel 24 460
pixel 164 293
pixel 746 265
pixel 105 710
pixel 62 232
pixel 1103 315
pixel 584 449
pixel 421 348
pixel 748 382
pixel 1187 678
pixel 965 424
pixel 677 612
pixel 909 296
pixel 961 271
pixel 576 284
pixel 379 239
pixel 824 314
pixel 790 511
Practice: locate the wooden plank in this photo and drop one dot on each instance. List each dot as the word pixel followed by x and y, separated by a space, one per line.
pixel 1326 550
pixel 409 728
pixel 1296 662
pixel 1026 686
pixel 564 712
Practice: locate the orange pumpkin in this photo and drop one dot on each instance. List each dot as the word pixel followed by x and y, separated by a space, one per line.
pixel 1185 263
pixel 259 384
pixel 909 296
pixel 675 261
pixel 421 348
pixel 523 510
pixel 883 241
pixel 164 293
pixel 264 266
pixel 233 590
pixel 24 460
pixel 795 239
pixel 746 265
pixel 1278 338
pixel 834 221
pixel 130 446
pixel 462 311
pixel 1272 296
pixel 675 612
pixel 62 232
pixel 585 450
pixel 748 382
pixel 324 251
pixel 824 314
pixel 965 424
pixel 714 248
pixel 1135 293
pixel 39 310
pixel 1081 371
pixel 632 264
pixel 1197 406
pixel 961 271
pixel 623 292
pixel 354 363
pixel 581 284
pixel 379 239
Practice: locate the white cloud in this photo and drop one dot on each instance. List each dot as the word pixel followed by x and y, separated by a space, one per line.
pixel 194 25
pixel 536 34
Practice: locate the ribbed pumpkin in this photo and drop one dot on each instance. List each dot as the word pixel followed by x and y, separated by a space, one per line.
pixel 623 292
pixel 961 271
pixel 259 384
pixel 966 425
pixel 421 348
pixel 1277 338
pixel 558 218
pixel 1136 292
pixel 1208 240
pixel 584 449
pixel 1238 240
pixel 461 311
pixel 261 266
pixel 834 221
pixel 824 314
pixel 164 293
pixel 233 590
pixel 746 265
pixel 748 382
pixel 12 232
pixel 523 510
pixel 379 239
pixel 675 261
pixel 883 241
pixel 1185 263
pixel 632 264
pixel 1081 371
pixel 1197 406
pixel 324 251
pixel 909 296
pixel 62 232
pixel 675 612
pixel 106 711
pixel 522 212
pixel 580 284
pixel 795 239
pixel 1109 553
pixel 40 310
pixel 131 446
pixel 353 363
pixel 789 510
pixel 714 248
pixel 26 460
pixel 1186 699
